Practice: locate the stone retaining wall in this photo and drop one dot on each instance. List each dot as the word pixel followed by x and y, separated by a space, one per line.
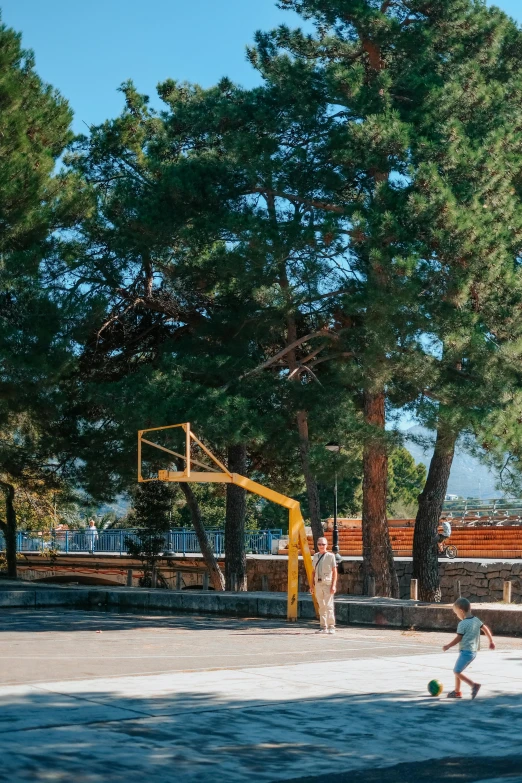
pixel 481 582
pixel 379 612
pixel 478 581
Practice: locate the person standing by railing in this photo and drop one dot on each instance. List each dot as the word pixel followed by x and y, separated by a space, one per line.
pixel 92 536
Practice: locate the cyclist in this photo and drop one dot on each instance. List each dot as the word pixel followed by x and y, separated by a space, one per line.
pixel 443 537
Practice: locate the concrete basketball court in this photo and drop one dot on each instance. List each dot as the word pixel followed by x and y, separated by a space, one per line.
pixel 117 698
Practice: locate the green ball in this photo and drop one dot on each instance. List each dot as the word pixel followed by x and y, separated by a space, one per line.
pixel 435 687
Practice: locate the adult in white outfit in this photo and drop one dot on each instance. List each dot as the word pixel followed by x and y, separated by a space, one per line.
pixel 324 585
pixel 92 536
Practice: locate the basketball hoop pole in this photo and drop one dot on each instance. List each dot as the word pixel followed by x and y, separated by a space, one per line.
pixel 296 530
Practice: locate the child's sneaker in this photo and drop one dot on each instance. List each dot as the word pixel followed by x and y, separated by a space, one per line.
pixel 322 630
pixel 331 630
pixel 454 695
pixel 475 689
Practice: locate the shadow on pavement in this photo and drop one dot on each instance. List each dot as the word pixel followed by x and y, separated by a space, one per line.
pixel 45 620
pixel 78 734
pixel 449 770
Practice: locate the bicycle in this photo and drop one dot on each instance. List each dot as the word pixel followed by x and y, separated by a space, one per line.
pixel 448 550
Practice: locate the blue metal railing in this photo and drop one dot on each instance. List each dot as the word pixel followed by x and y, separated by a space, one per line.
pixel 180 541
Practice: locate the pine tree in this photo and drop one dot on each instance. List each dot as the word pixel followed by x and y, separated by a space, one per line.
pixel 151 511
pixel 33 356
pixel 419 107
pixel 172 285
pixel 136 252
pixel 328 227
pixel 477 238
pixel 34 130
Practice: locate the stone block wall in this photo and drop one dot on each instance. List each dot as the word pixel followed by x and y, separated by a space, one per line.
pixel 480 582
pixel 272 574
pixel 477 581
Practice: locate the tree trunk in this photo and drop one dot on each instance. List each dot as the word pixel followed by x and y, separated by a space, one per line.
pixel 304 441
pixel 377 551
pixel 302 415
pixel 9 528
pixel 235 558
pixel 311 483
pixel 425 551
pixel 217 579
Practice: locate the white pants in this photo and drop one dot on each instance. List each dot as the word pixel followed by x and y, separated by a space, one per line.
pixel 325 600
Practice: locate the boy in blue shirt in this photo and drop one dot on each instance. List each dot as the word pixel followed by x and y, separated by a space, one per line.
pixel 468 639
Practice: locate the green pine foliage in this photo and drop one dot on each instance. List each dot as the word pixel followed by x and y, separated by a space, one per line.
pixel 424 164
pixel 34 130
pixel 406 480
pixel 34 349
pixel 282 266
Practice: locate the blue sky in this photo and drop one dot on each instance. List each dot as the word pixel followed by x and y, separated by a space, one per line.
pixel 87 48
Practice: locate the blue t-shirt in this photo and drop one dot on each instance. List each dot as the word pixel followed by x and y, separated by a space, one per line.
pixel 470 630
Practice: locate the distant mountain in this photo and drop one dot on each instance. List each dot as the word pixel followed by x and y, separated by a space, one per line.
pixel 468 477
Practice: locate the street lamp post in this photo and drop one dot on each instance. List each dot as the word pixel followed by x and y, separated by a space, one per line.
pixel 335 448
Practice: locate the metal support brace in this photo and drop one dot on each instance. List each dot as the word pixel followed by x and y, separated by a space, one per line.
pixel 294 517
pixel 296 529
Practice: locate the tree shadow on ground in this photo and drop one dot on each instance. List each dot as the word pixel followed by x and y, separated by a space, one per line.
pixel 64 620
pixel 459 769
pixel 77 733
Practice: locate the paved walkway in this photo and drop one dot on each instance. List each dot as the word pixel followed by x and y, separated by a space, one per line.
pixel 107 698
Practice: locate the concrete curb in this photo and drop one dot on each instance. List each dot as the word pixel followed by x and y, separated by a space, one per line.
pixel 502 619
